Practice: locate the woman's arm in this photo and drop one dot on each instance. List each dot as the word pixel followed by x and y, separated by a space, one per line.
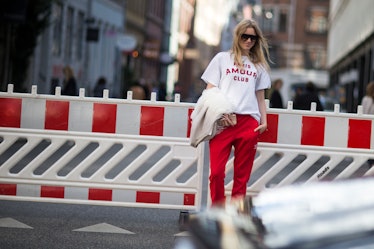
pixel 260 95
pixel 209 85
pixel 225 120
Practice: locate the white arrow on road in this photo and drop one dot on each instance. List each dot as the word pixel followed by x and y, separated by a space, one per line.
pixel 182 234
pixel 103 228
pixel 12 223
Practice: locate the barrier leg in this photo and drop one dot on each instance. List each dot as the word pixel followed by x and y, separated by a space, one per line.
pixel 184 216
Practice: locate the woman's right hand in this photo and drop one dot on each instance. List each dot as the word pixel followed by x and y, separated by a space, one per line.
pixel 227 120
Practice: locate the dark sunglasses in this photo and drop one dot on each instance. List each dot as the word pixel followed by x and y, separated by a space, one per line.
pixel 245 37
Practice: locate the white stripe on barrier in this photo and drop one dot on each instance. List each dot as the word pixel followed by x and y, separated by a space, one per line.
pixel 175 121
pixel 76 193
pixel 32 115
pixel 121 195
pixel 289 129
pixel 334 126
pixel 81 111
pixel 171 198
pixel 128 119
pixel 28 190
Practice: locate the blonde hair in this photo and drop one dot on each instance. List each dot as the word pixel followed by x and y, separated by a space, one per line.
pixel 68 72
pixel 257 52
pixel 370 89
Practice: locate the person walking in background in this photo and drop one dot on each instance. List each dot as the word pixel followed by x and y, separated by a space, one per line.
pixel 303 101
pixel 177 90
pixel 99 87
pixel 276 100
pixel 367 101
pixel 161 92
pixel 69 85
pixel 138 91
pixel 241 75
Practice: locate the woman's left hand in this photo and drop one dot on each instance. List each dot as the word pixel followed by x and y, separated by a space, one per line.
pixel 261 128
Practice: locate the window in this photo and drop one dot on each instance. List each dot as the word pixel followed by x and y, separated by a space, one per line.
pixel 317 21
pixel 283 18
pixel 79 36
pixel 267 19
pixel 69 33
pixel 57 29
pixel 317 57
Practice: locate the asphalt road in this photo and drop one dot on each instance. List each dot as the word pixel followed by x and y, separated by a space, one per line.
pixel 39 225
pixel 46 225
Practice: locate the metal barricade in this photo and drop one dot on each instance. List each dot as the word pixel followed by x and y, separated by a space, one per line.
pixel 99 134
pixel 103 151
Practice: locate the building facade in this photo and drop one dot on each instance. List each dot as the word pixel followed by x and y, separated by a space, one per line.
pixel 83 35
pixel 162 28
pixel 351 60
pixel 297 32
pixel 173 43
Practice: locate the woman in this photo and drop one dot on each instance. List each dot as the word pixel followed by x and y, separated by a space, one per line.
pixel 368 100
pixel 276 100
pixel 303 101
pixel 99 87
pixel 69 84
pixel 241 75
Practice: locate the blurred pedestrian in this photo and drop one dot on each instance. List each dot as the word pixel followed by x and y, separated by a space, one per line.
pixel 177 90
pixel 241 76
pixel 367 103
pixel 55 82
pixel 138 91
pixel 161 92
pixel 303 101
pixel 368 100
pixel 69 85
pixel 99 87
pixel 276 100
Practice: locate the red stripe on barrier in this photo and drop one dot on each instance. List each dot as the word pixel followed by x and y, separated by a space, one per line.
pixel 313 131
pixel 359 133
pixel 104 118
pixel 189 199
pixel 52 191
pixel 152 121
pixel 56 115
pixel 189 122
pixel 100 194
pixel 148 197
pixel 10 112
pixel 8 189
pixel 271 135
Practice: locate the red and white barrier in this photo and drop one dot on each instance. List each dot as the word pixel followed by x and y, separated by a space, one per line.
pixel 299 146
pixel 60 166
pixel 121 197
pixel 326 129
pixel 49 143
pixel 132 117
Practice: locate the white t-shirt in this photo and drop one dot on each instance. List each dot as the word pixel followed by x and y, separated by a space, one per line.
pixel 367 105
pixel 239 85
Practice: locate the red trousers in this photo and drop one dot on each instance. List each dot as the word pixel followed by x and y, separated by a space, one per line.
pixel 244 139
